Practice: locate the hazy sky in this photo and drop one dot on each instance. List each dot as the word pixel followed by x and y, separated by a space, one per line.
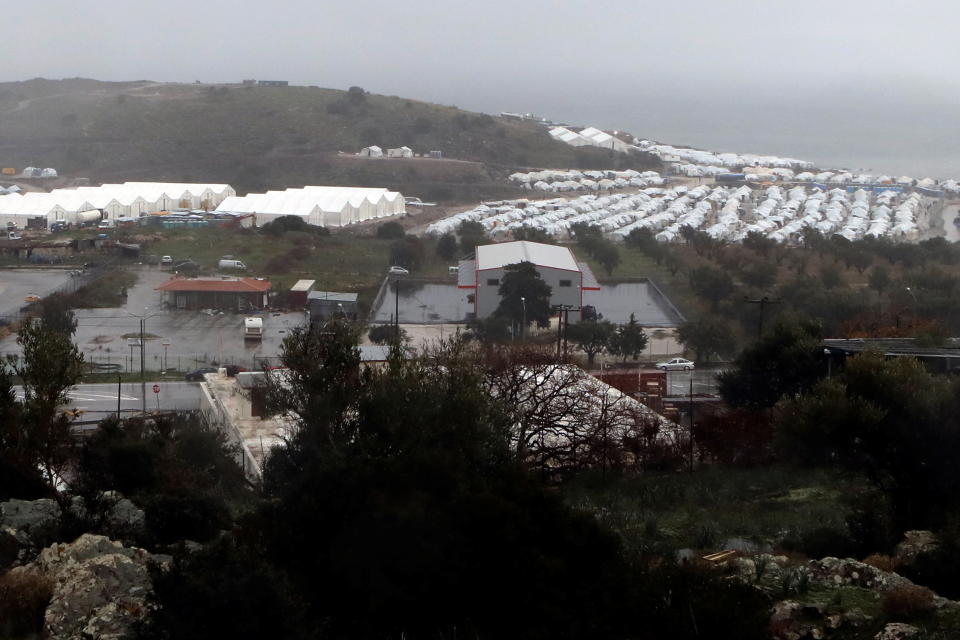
pixel 652 67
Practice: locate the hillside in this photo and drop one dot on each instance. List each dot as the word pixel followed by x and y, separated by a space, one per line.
pixel 261 137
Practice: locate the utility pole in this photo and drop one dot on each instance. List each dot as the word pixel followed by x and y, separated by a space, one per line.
pixel 559 330
pixel 523 327
pixel 763 302
pixel 691 422
pixel 143 376
pixel 119 379
pixel 396 310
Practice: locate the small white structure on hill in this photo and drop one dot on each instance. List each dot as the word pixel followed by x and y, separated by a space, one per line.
pixel 372 151
pixel 400 152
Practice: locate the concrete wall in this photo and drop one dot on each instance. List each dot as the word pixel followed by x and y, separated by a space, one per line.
pixel 488 296
pixel 215 415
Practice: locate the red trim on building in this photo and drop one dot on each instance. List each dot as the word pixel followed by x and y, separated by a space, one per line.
pixel 243 285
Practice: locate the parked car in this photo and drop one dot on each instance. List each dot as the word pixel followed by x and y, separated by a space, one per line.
pixel 186 265
pixel 231 264
pixel 398 271
pixel 197 375
pixel 676 364
pixel 166 260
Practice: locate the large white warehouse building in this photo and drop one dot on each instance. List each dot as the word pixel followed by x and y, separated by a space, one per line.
pixel 318 206
pixel 127 200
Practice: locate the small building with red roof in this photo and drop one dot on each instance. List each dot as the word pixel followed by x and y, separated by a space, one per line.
pixel 226 293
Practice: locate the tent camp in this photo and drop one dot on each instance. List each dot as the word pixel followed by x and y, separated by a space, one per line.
pixel 127 200
pixel 318 206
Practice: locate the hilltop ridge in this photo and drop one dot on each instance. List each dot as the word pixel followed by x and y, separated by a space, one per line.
pixel 271 137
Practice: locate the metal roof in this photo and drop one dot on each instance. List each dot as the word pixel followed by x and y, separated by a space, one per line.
pixel 893 347
pixel 333 296
pixel 303 285
pixel 238 285
pixel 589 280
pixel 467 274
pixel 497 256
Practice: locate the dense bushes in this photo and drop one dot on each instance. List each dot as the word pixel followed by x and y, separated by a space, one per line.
pixel 390 230
pixel 179 472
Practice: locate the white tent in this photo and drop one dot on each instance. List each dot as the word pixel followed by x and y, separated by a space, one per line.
pixel 319 206
pixel 372 151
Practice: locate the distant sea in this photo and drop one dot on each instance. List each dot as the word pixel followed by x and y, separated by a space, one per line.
pixel 887 127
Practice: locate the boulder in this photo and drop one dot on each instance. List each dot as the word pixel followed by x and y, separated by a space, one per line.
pixel 100 588
pixel 898 631
pixel 913 544
pixel 836 572
pixel 35 518
pixel 122 517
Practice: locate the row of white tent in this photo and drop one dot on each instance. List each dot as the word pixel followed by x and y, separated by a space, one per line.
pixel 728 160
pixel 109 201
pixel 574 180
pixel 723 213
pixel 592 136
pixel 784 216
pixel 373 151
pixel 589 137
pixel 37 172
pixel 696 163
pixel 318 206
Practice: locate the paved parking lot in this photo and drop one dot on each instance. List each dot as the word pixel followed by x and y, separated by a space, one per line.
pixel 195 339
pixel 17 284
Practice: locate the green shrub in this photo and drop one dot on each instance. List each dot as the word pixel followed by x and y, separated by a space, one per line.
pixel 391 230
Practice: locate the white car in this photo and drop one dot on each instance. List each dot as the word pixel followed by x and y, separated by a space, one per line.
pixel 677 364
pixel 398 271
pixel 166 260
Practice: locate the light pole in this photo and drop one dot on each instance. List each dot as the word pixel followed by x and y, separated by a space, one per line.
pixel 396 306
pixel 166 344
pixel 523 327
pixel 143 377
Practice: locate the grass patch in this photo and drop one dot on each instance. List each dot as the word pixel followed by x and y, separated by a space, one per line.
pixel 107 290
pixel 125 377
pixel 703 509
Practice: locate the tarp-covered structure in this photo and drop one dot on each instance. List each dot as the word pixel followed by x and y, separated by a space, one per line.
pixel 319 206
pixel 127 200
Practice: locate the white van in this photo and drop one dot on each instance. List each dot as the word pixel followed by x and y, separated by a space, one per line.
pixel 232 264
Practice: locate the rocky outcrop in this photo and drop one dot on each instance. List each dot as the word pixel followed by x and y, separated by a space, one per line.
pixel 803 618
pixel 35 518
pixel 914 543
pixel 837 572
pixel 898 631
pixel 122 518
pixel 100 588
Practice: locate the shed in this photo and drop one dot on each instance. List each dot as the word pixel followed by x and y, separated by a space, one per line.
pixel 372 151
pixel 297 296
pixel 232 294
pixel 400 152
